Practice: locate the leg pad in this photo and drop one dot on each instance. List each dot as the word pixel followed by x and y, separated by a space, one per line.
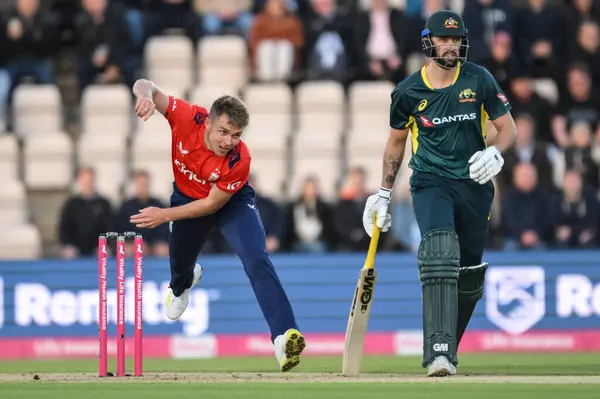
pixel 470 291
pixel 439 263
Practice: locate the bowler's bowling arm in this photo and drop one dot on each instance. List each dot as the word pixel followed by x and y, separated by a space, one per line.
pixel 216 199
pixel 143 88
pixel 393 156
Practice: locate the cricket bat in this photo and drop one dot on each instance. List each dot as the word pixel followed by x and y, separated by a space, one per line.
pixel 360 310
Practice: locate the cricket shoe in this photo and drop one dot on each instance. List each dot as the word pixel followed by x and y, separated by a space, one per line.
pixel 441 367
pixel 288 348
pixel 176 305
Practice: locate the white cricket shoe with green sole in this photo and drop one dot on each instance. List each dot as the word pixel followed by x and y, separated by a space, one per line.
pixel 288 348
pixel 176 305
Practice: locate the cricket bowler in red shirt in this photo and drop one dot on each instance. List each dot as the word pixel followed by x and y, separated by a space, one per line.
pixel 211 165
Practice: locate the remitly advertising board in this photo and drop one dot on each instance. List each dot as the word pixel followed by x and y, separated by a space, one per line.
pixel 540 302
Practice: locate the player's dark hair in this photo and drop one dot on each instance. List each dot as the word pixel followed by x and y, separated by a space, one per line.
pixel 233 107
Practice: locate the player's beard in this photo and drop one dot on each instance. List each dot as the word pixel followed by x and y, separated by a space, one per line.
pixel 448 60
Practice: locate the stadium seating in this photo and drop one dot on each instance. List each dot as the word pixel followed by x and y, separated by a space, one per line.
pixel 48 161
pixel 204 94
pixel 169 61
pixel 317 128
pixel 151 151
pixel 20 242
pixel 37 109
pixel 107 110
pixel 271 115
pixel 9 157
pixel 223 61
pixel 13 203
pixel 369 127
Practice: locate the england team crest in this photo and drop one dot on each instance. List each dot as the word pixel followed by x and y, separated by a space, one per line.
pixel 515 297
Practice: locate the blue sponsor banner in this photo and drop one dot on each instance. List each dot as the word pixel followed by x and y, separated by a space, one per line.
pixel 528 290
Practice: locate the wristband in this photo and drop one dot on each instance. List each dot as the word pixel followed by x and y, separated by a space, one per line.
pixel 385 193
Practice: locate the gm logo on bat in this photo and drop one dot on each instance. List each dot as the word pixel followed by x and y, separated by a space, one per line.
pixel 367 294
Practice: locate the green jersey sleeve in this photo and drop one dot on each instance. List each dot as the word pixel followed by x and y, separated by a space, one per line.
pixel 495 102
pixel 400 110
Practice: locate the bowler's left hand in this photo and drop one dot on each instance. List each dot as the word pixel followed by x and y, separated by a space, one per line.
pixel 485 164
pixel 149 218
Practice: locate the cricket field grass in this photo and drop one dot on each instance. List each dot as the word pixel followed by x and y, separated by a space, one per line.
pixel 531 376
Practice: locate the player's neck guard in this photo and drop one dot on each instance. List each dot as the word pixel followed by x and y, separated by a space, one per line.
pixel 431 50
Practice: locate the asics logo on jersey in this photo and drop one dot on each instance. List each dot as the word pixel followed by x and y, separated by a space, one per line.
pixel 455 118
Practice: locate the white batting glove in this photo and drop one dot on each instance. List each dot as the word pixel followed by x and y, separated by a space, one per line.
pixel 377 205
pixel 485 165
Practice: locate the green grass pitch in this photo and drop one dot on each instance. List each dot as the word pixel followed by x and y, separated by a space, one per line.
pixel 530 376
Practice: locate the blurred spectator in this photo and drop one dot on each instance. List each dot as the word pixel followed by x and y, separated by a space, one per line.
pixel 484 19
pixel 271 216
pixel 416 23
pixel 576 213
pixel 164 14
pixel 527 149
pixel 579 102
pixel 382 40
pixel 308 221
pixel 28 43
pixel 329 52
pixel 501 62
pixel 540 38
pixel 84 216
pixel 276 41
pixel 226 16
pixel 587 49
pixel 106 44
pixel 349 210
pixel 578 156
pixel 156 241
pixel 294 6
pixel 525 100
pixel 577 11
pixel 525 211
pixel 4 93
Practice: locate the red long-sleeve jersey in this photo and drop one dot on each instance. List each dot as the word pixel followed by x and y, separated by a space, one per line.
pixel 195 167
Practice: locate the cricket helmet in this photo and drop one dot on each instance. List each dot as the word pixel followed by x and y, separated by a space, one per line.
pixel 444 23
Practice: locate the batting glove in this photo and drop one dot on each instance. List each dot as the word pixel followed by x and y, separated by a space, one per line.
pixel 377 206
pixel 485 164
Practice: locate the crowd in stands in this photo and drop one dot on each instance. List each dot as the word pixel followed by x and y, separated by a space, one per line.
pixel 545 55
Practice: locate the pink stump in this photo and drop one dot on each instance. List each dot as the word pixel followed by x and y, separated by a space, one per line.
pixel 120 306
pixel 102 306
pixel 139 243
